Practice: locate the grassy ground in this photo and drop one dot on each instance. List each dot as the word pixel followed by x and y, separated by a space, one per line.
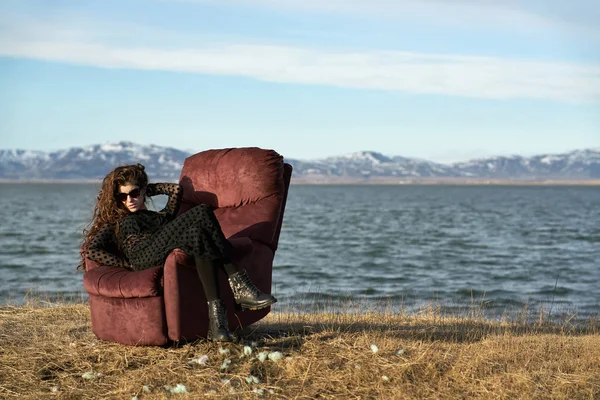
pixel 49 351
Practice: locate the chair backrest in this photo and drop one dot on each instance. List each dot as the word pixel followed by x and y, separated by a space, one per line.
pixel 246 186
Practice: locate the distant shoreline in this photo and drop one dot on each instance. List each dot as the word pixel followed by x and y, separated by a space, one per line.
pixel 372 182
pixel 452 182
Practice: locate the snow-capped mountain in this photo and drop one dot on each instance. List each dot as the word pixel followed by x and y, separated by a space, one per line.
pixel 93 162
pixel 366 164
pixel 579 164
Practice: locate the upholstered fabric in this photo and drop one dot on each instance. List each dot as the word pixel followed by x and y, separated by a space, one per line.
pixel 90 264
pixel 245 185
pixel 248 189
pixel 287 177
pixel 231 177
pixel 119 282
pixel 137 321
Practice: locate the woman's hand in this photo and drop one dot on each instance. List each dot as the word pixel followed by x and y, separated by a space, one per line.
pixel 150 189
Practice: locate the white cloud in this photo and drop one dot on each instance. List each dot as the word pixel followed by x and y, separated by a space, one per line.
pixel 458 75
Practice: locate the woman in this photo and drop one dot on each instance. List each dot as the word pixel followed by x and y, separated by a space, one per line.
pixel 145 238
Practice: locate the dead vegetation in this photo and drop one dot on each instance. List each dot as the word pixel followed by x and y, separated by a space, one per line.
pixel 49 351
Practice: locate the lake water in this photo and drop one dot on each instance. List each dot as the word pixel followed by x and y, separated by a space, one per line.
pixel 503 248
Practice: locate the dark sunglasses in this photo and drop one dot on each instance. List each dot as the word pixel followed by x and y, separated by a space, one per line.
pixel 134 194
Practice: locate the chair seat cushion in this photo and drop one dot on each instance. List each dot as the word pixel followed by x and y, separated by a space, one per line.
pixel 119 282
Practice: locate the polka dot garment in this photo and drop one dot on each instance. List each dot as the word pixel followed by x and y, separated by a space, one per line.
pixel 147 237
pixel 99 248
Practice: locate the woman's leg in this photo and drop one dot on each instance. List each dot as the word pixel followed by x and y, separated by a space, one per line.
pixel 229 268
pixel 246 294
pixel 208 277
pixel 198 232
pixel 209 239
pixel 195 232
pixel 218 327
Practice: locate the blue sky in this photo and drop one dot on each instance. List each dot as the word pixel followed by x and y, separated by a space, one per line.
pixel 435 79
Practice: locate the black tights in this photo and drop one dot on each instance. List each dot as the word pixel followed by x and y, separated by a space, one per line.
pixel 207 271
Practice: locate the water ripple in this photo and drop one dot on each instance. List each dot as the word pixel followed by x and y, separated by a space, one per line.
pixel 404 246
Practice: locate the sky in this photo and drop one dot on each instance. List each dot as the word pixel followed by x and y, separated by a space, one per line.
pixel 442 80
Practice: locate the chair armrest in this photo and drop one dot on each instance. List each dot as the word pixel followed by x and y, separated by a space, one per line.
pixel 119 282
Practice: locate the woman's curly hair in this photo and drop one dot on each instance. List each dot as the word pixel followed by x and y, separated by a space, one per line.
pixel 108 210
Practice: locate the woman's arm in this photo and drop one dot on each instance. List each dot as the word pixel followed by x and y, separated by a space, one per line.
pixel 96 248
pixel 173 190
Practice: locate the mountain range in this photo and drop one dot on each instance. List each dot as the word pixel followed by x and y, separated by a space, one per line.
pixel 164 163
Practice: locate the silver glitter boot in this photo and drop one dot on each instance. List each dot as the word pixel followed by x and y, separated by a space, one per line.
pixel 246 294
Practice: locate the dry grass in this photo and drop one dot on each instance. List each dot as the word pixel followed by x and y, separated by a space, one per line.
pixel 45 349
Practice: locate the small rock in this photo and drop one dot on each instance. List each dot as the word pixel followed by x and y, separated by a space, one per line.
pixel 275 356
pixel 247 350
pixel 400 352
pixel 258 391
pixel 91 375
pixel 146 389
pixel 262 356
pixel 385 378
pixel 374 348
pixel 202 360
pixel 226 363
pixel 252 379
pixel 223 351
pixel 135 398
pixel 178 389
pixel 55 388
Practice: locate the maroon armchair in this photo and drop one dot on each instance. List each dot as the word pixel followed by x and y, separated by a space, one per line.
pixel 248 189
